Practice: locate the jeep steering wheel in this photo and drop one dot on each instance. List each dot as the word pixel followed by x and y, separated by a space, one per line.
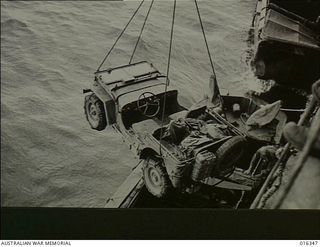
pixel 148 104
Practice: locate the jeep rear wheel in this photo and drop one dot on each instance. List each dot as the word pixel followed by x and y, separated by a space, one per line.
pixel 94 110
pixel 156 178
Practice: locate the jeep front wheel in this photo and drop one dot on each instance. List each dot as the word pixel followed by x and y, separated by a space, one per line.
pixel 156 178
pixel 94 110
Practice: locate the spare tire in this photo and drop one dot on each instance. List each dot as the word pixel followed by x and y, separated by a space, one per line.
pixel 94 111
pixel 229 153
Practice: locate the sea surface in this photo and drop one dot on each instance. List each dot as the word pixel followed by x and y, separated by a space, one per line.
pixel 49 51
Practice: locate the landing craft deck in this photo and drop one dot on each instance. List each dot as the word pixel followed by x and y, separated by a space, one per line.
pixel 126 194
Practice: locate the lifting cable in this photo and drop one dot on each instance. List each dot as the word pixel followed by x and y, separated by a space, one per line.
pixel 105 58
pixel 144 23
pixel 204 37
pixel 167 75
pixel 210 58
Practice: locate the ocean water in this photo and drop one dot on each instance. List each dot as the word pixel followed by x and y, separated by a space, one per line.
pixel 49 52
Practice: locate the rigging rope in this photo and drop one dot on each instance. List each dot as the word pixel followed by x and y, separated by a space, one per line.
pixel 264 194
pixel 210 58
pixel 105 58
pixel 167 76
pixel 204 37
pixel 144 23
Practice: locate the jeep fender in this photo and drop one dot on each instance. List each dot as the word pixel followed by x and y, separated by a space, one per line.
pixel 146 152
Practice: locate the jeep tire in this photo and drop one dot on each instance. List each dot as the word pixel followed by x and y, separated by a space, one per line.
pixel 94 111
pixel 156 178
pixel 229 153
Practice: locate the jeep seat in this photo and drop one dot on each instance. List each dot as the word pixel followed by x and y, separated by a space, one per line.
pixel 148 126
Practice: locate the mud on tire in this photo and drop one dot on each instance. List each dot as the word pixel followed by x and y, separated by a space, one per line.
pixel 94 111
pixel 156 178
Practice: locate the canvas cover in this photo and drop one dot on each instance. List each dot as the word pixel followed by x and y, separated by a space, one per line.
pixel 262 124
pixel 264 115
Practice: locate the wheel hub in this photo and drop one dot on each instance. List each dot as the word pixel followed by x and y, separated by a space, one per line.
pixel 155 179
pixel 93 112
